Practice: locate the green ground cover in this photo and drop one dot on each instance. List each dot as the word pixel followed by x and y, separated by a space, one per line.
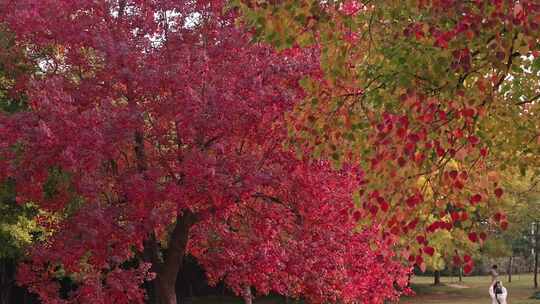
pixel 473 290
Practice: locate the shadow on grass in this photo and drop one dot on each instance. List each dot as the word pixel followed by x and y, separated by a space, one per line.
pixel 237 300
pixel 473 290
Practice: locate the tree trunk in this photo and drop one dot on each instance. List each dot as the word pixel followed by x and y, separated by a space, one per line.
pixel 536 255
pixel 167 272
pixel 437 277
pixel 5 281
pixel 248 297
pixel 510 260
pixel 536 268
pixel 163 290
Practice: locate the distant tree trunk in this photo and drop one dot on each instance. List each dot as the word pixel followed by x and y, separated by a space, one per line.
pixel 536 255
pixel 510 260
pixel 437 277
pixel 536 269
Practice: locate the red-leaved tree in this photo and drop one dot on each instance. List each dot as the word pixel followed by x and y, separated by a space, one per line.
pixel 154 128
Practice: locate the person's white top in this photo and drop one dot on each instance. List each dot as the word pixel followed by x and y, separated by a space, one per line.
pixel 501 297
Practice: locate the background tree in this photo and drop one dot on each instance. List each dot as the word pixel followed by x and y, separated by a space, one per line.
pixel 523 203
pixel 420 94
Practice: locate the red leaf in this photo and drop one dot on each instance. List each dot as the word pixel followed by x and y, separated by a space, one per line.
pixel 476 198
pixel 499 192
pixel 429 251
pixel 484 152
pixel 384 206
pixel 483 236
pixel 473 237
pixel 455 216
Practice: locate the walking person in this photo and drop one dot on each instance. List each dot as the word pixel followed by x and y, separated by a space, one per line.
pixel 498 293
pixel 494 274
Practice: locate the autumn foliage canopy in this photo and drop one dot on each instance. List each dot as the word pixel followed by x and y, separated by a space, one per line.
pixel 315 150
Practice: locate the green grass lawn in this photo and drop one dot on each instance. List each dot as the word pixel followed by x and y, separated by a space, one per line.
pixel 473 290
